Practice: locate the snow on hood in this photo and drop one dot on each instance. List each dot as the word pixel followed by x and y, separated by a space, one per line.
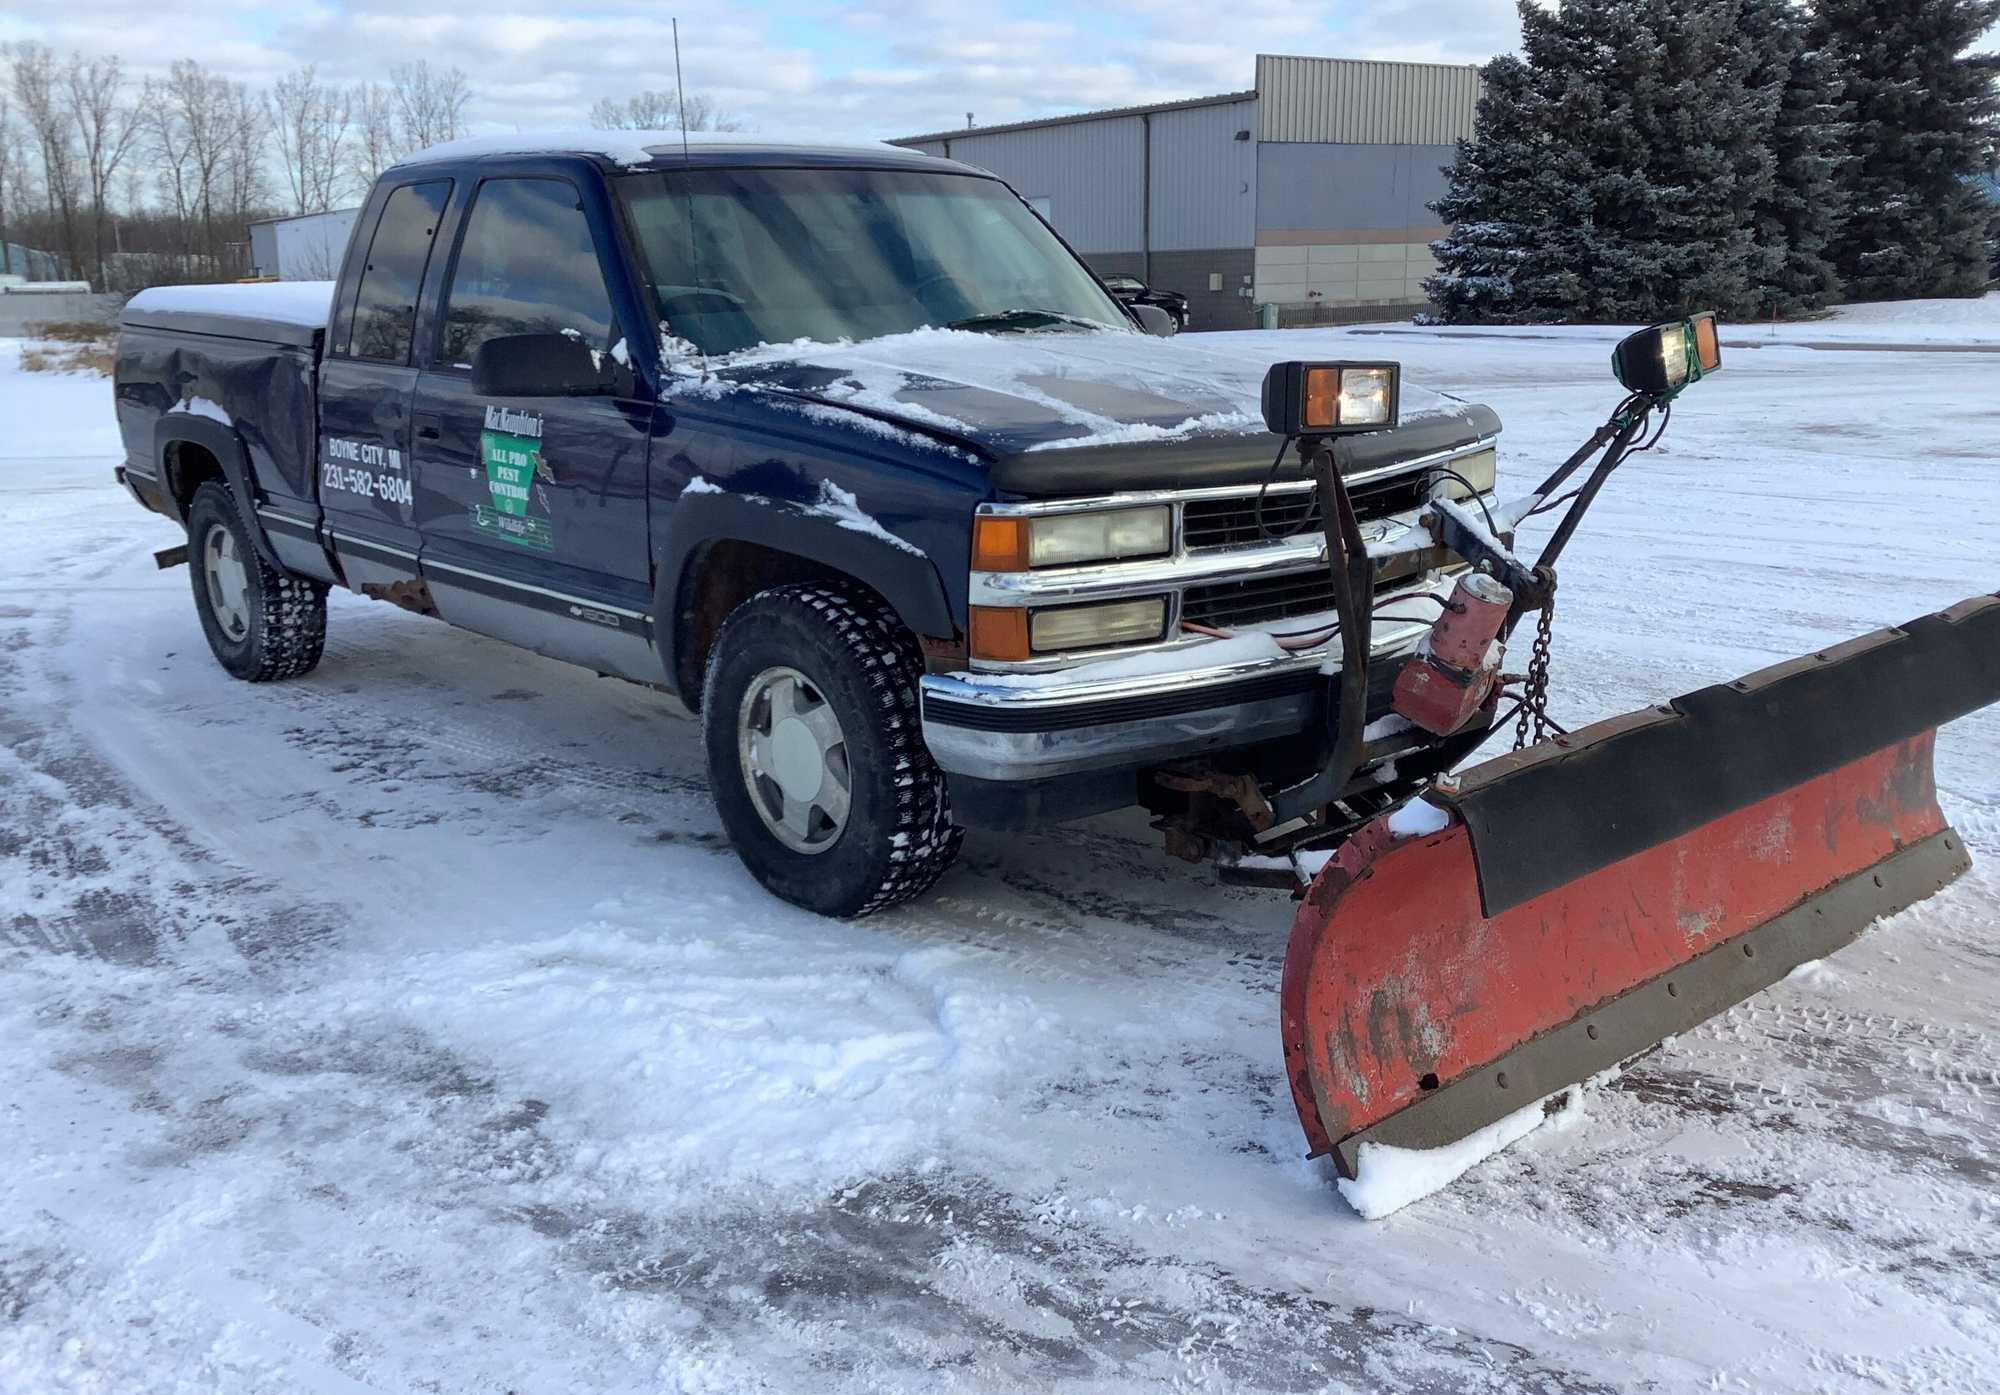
pixel 1040 391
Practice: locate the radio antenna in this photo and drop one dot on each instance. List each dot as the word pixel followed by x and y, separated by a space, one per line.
pixel 687 197
pixel 680 89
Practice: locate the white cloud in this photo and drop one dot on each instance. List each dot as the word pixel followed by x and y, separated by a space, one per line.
pixel 888 68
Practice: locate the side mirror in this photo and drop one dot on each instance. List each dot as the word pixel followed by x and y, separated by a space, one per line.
pixel 1667 359
pixel 1154 321
pixel 538 365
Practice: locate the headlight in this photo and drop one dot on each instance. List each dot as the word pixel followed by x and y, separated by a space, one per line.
pixel 1005 543
pixel 1481 470
pixel 1095 626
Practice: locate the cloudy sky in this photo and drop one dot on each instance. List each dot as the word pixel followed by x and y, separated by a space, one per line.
pixel 886 68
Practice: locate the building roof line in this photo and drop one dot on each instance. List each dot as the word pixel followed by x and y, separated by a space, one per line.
pixel 1371 62
pixel 1220 99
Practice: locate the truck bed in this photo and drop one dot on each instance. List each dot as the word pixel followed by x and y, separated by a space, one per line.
pixel 273 312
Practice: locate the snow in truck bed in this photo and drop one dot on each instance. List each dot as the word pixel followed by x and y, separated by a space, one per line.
pixel 306 304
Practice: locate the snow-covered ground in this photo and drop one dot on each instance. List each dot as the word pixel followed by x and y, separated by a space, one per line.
pixel 410 1027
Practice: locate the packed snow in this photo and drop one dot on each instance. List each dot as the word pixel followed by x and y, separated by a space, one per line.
pixel 410 1025
pixel 1386 1179
pixel 304 303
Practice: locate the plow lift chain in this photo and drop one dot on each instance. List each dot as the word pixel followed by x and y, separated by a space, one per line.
pixel 1534 722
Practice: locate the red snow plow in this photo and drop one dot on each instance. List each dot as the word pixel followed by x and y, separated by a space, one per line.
pixel 1551 913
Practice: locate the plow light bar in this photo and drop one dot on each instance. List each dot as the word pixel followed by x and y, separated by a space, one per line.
pixel 1666 359
pixel 1323 399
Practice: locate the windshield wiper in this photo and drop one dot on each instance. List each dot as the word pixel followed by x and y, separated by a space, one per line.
pixel 1023 317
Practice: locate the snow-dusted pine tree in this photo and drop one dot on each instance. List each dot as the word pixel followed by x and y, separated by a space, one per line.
pixel 1794 223
pixel 1923 124
pixel 1513 208
pixel 1606 178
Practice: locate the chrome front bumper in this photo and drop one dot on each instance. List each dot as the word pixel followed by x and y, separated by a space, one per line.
pixel 1012 727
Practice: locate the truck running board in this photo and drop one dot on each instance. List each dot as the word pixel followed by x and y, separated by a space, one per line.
pixel 1594 894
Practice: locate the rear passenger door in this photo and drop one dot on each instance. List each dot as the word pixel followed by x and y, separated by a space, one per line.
pixel 367 379
pixel 533 510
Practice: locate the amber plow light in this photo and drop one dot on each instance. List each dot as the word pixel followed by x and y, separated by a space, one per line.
pixel 1707 347
pixel 1320 399
pixel 1664 361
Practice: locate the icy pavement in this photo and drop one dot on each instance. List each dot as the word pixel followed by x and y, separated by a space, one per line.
pixel 409 1027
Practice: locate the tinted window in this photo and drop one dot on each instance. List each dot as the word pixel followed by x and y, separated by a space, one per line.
pixel 385 307
pixel 527 266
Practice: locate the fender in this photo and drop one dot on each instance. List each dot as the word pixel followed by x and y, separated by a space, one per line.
pixel 906 579
pixel 226 445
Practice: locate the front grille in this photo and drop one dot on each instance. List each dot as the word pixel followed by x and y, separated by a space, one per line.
pixel 1260 600
pixel 1232 522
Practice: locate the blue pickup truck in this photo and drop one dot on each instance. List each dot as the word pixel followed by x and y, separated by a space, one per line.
pixel 842 449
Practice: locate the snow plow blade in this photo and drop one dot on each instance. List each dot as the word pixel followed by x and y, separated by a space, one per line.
pixel 1579 901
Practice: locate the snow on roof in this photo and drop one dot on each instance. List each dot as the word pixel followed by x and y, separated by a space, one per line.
pixel 305 303
pixel 631 148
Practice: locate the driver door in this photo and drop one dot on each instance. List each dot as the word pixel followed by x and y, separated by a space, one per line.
pixel 533 510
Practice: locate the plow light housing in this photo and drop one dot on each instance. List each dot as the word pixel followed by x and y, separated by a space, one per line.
pixel 1668 358
pixel 1325 399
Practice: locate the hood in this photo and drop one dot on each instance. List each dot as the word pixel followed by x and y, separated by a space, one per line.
pixel 1069 411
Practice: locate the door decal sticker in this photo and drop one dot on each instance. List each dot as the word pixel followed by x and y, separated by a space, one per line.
pixel 511 449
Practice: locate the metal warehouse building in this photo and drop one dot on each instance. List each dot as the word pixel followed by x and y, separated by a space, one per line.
pixel 1309 192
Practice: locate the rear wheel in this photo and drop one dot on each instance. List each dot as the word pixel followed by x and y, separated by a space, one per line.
pixel 816 752
pixel 262 624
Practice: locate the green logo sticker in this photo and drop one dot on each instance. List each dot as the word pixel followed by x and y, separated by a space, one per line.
pixel 511 449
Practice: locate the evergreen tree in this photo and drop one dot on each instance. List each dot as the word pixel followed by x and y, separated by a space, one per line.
pixel 1796 220
pixel 1508 205
pixel 1923 124
pixel 1608 172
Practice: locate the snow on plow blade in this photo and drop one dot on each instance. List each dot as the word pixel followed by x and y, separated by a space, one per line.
pixel 1594 894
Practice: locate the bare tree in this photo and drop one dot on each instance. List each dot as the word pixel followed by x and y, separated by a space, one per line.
pixel 246 127
pixel 167 145
pixel 42 92
pixel 377 143
pixel 310 120
pixel 661 111
pixel 107 127
pixel 430 102
pixel 10 181
pixel 198 105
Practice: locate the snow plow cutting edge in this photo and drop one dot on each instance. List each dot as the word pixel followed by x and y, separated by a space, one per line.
pixel 1598 892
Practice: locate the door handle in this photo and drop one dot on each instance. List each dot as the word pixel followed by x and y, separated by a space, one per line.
pixel 430 426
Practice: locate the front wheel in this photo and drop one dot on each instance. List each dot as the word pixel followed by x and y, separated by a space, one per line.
pixel 816 752
pixel 262 624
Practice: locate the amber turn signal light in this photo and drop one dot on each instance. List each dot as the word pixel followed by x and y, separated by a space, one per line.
pixel 997 632
pixel 999 544
pixel 1707 347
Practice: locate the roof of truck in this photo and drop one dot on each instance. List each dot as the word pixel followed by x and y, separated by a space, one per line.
pixel 646 149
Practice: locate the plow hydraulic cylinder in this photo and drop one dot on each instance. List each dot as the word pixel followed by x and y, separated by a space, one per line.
pixel 1454 672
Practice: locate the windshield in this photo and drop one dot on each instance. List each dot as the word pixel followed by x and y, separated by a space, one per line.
pixel 741 257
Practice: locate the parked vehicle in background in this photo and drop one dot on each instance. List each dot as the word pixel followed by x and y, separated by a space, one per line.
pixel 1130 290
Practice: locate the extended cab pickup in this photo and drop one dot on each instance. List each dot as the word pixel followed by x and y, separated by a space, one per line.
pixel 841 448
